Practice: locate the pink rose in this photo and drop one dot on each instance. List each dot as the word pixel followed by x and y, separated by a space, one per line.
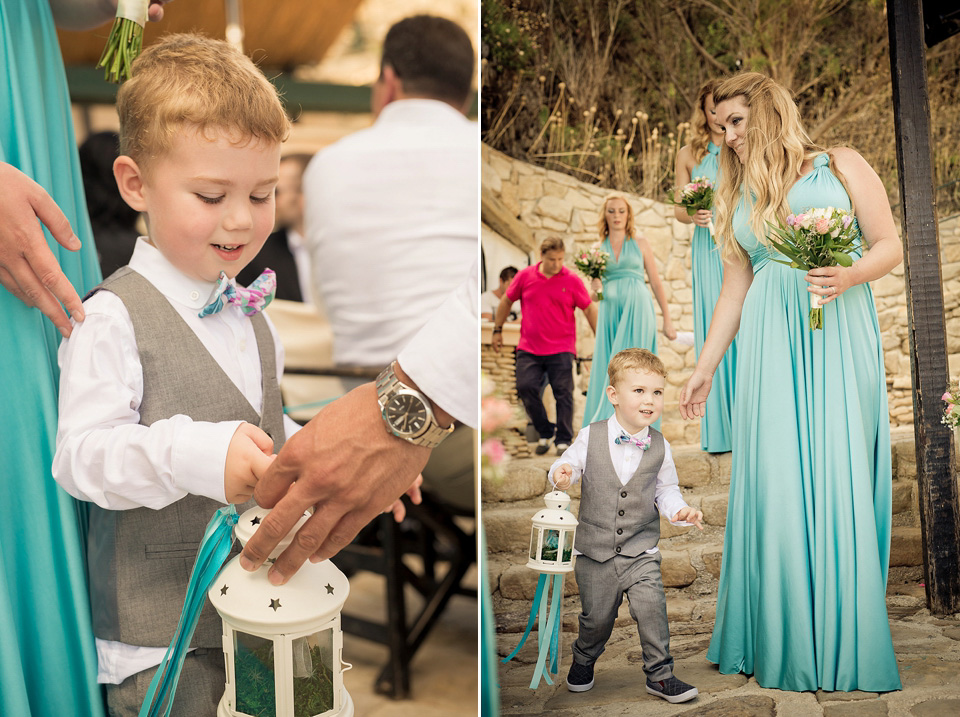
pixel 822 226
pixel 493 450
pixel 495 412
pixel 946 396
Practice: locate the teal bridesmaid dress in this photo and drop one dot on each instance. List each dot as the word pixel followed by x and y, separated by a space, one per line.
pixel 626 319
pixel 48 662
pixel 801 600
pixel 715 426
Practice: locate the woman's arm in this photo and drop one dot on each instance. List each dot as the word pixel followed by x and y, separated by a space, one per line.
pixel 682 176
pixel 876 223
pixel 653 276
pixel 737 277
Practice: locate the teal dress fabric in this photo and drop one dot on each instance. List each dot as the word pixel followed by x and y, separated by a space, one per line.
pixel 801 601
pixel 626 319
pixel 48 662
pixel 715 426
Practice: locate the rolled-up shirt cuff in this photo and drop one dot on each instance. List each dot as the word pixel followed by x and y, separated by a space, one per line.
pixel 200 457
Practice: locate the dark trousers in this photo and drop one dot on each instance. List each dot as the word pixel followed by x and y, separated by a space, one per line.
pixel 558 368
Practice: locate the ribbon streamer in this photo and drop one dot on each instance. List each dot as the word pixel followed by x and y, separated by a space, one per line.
pixel 211 555
pixel 546 612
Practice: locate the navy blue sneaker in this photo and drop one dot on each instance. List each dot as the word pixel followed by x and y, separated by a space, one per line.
pixel 672 690
pixel 580 677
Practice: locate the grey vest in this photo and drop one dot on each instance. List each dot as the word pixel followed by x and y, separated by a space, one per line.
pixel 618 519
pixel 140 560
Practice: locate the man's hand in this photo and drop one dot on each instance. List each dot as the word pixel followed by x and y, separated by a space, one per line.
pixel 28 269
pixel 343 463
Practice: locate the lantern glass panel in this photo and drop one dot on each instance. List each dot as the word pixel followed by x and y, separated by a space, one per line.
pixel 534 542
pixel 313 687
pixel 255 675
pixel 551 543
pixel 568 546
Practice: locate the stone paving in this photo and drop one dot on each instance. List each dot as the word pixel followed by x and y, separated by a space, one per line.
pixel 927 648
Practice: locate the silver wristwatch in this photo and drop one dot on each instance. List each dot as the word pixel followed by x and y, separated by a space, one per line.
pixel 407 412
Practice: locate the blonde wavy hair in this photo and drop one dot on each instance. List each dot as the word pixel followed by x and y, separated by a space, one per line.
pixel 602 227
pixel 634 358
pixel 776 147
pixel 699 129
pixel 195 81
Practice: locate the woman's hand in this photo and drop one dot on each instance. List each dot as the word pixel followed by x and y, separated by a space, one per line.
pixel 28 269
pixel 596 286
pixel 668 330
pixel 829 282
pixel 693 396
pixel 702 217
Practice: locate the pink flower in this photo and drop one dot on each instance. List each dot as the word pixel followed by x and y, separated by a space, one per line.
pixel 493 450
pixel 495 412
pixel 822 226
pixel 949 409
pixel 946 396
pixel 791 218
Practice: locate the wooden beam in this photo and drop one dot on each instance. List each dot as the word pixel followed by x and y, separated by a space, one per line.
pixel 936 477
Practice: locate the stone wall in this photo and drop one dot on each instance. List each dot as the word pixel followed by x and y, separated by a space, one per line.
pixel 555 204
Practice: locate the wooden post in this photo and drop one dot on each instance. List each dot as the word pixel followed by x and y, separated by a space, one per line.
pixel 936 480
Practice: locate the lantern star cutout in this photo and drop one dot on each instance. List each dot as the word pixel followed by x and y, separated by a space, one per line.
pixel 275 603
pixel 223 590
pixel 329 588
pixel 255 521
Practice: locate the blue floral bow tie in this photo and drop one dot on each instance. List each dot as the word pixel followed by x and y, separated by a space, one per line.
pixel 252 299
pixel 641 443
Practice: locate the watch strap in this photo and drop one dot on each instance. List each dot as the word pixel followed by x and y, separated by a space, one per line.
pixel 387 385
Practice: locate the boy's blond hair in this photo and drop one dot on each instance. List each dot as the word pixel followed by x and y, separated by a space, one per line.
pixel 188 79
pixel 634 359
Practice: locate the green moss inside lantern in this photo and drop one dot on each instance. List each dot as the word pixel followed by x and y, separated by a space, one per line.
pixel 256 683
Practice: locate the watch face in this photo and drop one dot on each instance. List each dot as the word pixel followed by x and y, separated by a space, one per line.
pixel 406 414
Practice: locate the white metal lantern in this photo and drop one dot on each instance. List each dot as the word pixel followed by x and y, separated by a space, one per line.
pixel 283 644
pixel 551 538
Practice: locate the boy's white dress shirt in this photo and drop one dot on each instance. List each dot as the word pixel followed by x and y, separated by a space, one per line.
pixel 626 459
pixel 105 456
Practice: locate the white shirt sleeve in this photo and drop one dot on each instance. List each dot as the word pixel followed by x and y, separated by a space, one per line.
pixel 669 499
pixel 575 455
pixel 442 357
pixel 103 454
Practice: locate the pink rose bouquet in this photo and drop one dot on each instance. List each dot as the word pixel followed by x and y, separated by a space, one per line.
pixel 592 264
pixel 951 412
pixel 813 239
pixel 693 196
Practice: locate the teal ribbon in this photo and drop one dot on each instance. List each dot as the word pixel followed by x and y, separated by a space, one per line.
pixel 546 607
pixel 212 553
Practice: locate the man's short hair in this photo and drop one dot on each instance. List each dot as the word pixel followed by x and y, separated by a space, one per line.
pixel 551 244
pixel 508 272
pixel 432 56
pixel 634 358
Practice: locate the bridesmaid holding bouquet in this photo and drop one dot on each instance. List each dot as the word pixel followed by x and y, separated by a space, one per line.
pixel 801 602
pixel 626 318
pixel 699 159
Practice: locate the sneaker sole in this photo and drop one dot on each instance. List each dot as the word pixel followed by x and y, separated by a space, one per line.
pixel 675 699
pixel 580 688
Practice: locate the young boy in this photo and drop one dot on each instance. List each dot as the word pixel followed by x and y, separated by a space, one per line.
pixel 169 394
pixel 628 472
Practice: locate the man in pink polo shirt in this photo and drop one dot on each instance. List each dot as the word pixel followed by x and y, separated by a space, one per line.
pixel 548 293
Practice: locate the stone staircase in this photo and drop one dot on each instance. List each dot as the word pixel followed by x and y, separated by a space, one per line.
pixel 691 559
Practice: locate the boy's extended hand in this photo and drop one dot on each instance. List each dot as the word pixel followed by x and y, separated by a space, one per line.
pixel 249 455
pixel 563 476
pixel 689 515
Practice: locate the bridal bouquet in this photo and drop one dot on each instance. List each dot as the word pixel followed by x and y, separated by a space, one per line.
pixel 696 195
pixel 951 414
pixel 814 239
pixel 593 265
pixel 125 41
